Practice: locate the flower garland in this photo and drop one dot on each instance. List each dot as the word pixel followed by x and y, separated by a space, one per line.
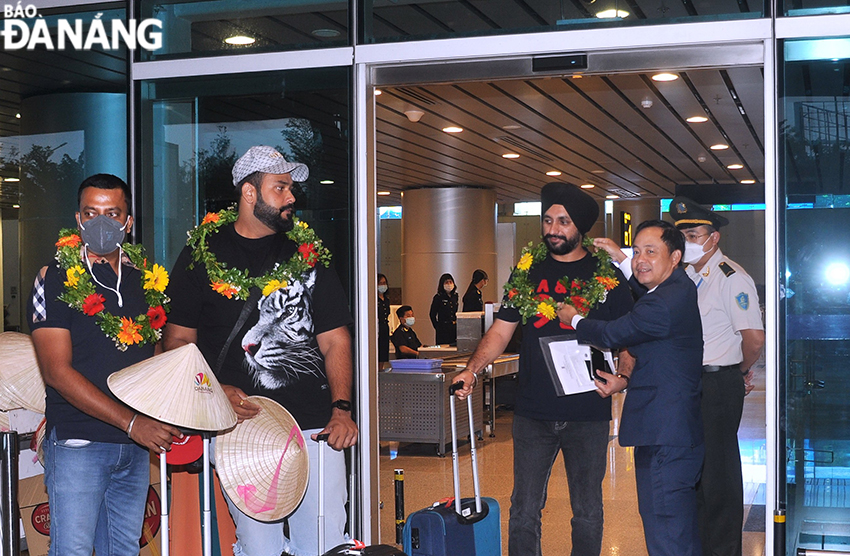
pixel 81 295
pixel 582 294
pixel 233 282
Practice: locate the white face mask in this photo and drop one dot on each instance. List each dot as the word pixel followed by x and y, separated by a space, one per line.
pixel 382 288
pixel 409 321
pixel 693 252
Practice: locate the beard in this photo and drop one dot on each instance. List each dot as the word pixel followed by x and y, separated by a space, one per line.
pixel 272 216
pixel 568 244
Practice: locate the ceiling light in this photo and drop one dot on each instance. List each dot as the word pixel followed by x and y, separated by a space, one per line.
pixel 597 171
pixel 16 206
pixel 665 77
pixel 325 33
pixel 735 166
pixel 748 182
pixel 326 182
pixel 510 155
pixel 553 173
pixel 12 180
pixel 18 115
pixel 378 92
pixel 719 147
pixel 414 115
pixel 646 103
pixel 612 196
pixel 697 119
pixel 587 186
pixel 577 76
pixel 383 193
pixel 452 129
pixel 511 127
pixel 611 14
pixel 240 40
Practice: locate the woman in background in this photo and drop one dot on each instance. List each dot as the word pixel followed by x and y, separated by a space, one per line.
pixel 444 311
pixel 472 300
pixel 383 320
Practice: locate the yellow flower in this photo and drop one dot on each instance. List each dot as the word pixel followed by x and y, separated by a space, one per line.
pixel 525 261
pixel 303 224
pixel 546 310
pixel 73 276
pixel 129 333
pixel 156 279
pixel 273 286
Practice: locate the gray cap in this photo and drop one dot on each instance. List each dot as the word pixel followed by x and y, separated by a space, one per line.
pixel 265 159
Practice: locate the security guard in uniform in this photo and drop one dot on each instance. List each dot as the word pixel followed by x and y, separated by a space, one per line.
pixel 733 337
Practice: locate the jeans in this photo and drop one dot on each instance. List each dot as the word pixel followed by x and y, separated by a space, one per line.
pixel 536 445
pixel 259 538
pixel 97 493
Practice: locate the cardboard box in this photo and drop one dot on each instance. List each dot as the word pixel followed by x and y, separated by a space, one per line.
pixel 35 514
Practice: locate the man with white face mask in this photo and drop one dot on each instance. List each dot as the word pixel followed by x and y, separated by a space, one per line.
pixel 97 468
pixel 733 336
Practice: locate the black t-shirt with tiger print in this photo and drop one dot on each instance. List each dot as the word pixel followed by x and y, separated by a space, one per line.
pixel 275 354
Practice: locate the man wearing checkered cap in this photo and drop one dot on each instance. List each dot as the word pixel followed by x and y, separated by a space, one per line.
pixel 293 345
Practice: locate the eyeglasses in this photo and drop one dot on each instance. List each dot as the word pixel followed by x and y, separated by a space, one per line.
pixel 693 237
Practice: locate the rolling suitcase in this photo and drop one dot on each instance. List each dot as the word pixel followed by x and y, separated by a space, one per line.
pixel 461 527
pixel 353 547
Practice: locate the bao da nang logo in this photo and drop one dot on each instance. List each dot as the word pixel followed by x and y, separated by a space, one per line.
pixel 202 383
pixel 24 28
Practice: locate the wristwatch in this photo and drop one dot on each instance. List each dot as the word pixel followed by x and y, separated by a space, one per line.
pixel 344 405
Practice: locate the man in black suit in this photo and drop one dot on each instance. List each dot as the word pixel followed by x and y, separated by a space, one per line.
pixel 661 414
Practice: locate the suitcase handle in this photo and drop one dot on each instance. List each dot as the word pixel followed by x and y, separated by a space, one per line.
pixel 480 513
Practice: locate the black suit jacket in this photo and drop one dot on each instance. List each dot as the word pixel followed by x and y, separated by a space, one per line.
pixel 664 333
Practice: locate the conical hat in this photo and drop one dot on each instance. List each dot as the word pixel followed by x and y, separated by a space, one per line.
pixel 19 372
pixel 263 464
pixel 176 387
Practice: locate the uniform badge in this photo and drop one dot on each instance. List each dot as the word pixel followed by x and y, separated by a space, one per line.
pixel 743 301
pixel 681 207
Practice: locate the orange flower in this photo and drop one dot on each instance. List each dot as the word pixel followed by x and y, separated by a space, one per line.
pixel 129 333
pixel 609 283
pixel 69 241
pixel 580 304
pixel 512 293
pixel 225 289
pixel 210 217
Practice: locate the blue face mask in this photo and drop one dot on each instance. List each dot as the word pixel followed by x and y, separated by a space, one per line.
pixel 103 235
pixel 409 321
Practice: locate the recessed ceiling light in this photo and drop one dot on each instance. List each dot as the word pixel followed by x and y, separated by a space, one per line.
pixel 12 180
pixel 325 33
pixel 719 147
pixel 748 182
pixel 597 171
pixel 18 115
pixel 612 196
pixel 553 173
pixel 240 40
pixel 510 127
pixel 610 14
pixel 510 155
pixel 577 76
pixel 665 77
pixel 326 182
pixel 383 193
pixel 587 186
pixel 735 166
pixel 16 206
pixel 378 92
pixel 697 119
pixel 452 129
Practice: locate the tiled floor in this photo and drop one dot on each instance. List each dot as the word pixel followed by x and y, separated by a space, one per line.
pixel 428 478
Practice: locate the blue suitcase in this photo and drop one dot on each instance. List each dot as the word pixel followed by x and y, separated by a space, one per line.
pixel 461 527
